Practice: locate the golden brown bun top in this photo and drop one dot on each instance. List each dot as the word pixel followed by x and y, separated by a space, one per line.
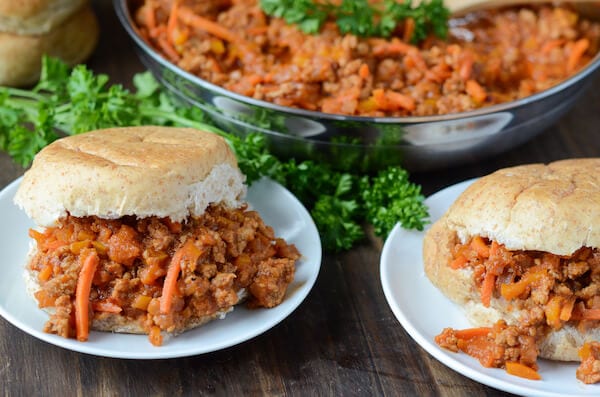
pixel 142 171
pixel 553 208
pixel 35 16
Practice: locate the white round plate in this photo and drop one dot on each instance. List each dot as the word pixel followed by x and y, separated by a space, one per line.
pixel 278 208
pixel 424 312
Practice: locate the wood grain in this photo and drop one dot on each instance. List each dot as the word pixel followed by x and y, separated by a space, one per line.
pixel 343 340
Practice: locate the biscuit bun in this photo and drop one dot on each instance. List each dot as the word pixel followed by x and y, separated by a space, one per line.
pixel 552 208
pixel 31 17
pixel 72 41
pixel 141 171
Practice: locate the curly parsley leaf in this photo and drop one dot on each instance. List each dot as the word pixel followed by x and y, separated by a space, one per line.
pixel 304 13
pixel 362 17
pixel 391 198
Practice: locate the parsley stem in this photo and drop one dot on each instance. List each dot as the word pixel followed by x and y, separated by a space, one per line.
pixel 152 111
pixel 16 92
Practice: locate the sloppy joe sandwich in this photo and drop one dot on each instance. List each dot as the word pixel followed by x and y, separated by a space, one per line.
pixel 519 250
pixel 145 230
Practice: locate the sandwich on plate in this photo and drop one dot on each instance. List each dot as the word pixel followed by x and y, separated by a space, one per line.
pixel 144 230
pixel 519 251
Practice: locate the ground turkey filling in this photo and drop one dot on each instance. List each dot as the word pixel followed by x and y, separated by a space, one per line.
pixel 551 290
pixel 218 255
pixel 489 57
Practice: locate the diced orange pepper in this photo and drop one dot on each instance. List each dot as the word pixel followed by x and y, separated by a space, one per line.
pixel 513 290
pixel 552 311
pixel 479 246
pixel 45 273
pixel 522 370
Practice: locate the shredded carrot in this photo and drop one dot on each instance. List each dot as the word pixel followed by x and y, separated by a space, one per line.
pixel 466 67
pixel 170 284
pixel 414 59
pixel 469 333
pixel 38 237
pixel 487 288
pixel 190 18
pixel 364 72
pixel 475 91
pixel 409 29
pixel 158 31
pixel 150 16
pixel 579 48
pixel 552 44
pixel 168 48
pixel 172 21
pixel 552 311
pixel 174 227
pixel 82 294
pixel 522 370
pixel 494 249
pixel 52 245
pixel 459 262
pixel 400 101
pixel 187 251
pixel 479 246
pixel 256 30
pixel 586 314
pixel 567 309
pixel 254 79
pixel 393 47
pixel 107 307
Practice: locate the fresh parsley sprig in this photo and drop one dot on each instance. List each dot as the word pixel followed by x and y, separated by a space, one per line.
pixel 363 17
pixel 73 101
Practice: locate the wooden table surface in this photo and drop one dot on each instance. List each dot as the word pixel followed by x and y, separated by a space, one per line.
pixel 343 339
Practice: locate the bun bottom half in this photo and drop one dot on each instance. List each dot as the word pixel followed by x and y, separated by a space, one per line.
pixel 458 286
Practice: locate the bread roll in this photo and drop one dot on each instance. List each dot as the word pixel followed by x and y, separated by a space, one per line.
pixel 72 41
pixel 141 171
pixel 553 208
pixel 35 17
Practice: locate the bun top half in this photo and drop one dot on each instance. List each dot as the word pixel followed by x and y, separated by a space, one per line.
pixel 35 16
pixel 553 208
pixel 140 171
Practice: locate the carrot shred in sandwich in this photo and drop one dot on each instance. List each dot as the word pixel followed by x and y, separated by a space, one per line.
pixel 188 251
pixel 522 370
pixel 479 246
pixel 469 333
pixel 581 313
pixel 487 288
pixel 82 294
pixel 107 307
pixel 172 21
pixel 459 262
